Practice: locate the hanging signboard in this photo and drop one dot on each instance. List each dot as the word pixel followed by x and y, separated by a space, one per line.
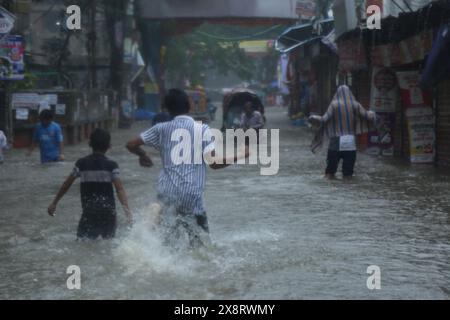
pixel 7 21
pixel 11 58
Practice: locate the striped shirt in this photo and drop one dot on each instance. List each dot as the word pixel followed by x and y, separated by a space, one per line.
pixel 181 182
pixel 345 116
pixel 97 173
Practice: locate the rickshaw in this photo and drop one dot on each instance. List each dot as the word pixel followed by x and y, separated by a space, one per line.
pixel 233 106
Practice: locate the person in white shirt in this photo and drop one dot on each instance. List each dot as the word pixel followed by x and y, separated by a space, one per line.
pixel 181 185
pixel 3 145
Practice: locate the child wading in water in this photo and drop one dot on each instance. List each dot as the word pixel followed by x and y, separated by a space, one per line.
pixel 99 176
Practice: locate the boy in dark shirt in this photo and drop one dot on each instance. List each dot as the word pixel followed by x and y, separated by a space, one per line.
pixel 99 176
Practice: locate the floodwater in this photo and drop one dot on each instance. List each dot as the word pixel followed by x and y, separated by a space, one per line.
pixel 289 236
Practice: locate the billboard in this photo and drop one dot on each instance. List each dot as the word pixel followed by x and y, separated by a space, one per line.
pixel 11 58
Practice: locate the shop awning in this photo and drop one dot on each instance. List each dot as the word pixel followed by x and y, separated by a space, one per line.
pixel 297 36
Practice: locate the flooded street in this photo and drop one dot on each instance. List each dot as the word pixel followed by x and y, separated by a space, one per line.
pixel 290 236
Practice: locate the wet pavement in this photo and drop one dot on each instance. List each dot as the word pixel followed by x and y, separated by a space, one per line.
pixel 290 236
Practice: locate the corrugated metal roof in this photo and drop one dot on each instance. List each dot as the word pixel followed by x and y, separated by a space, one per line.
pixel 300 35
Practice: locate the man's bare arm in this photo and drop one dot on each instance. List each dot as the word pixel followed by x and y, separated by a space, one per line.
pixel 121 194
pixel 134 146
pixel 62 191
pixel 61 151
pixel 226 162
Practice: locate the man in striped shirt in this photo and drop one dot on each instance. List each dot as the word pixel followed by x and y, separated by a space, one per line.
pixel 181 183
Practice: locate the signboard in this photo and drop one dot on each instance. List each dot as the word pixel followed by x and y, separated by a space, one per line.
pixel 7 21
pixel 25 100
pixel 11 58
pixel 384 90
pixel 33 100
pixel 381 142
pixel 22 114
pixel 421 122
pixel 421 134
pixel 51 99
pixel 60 109
pixel 410 91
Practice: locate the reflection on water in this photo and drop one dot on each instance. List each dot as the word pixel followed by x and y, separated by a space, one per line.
pixel 291 236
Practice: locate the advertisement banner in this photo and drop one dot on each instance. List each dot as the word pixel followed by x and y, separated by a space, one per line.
pixel 420 117
pixel 421 135
pixel 381 142
pixel 411 93
pixel 11 58
pixel 384 90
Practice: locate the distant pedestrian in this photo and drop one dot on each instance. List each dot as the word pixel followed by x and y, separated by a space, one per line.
pixel 344 119
pixel 212 109
pixel 3 145
pixel 99 176
pixel 48 135
pixel 251 119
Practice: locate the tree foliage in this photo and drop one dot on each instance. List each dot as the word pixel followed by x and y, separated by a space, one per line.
pixel 190 56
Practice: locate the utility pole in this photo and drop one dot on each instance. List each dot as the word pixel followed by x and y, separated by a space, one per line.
pixel 92 43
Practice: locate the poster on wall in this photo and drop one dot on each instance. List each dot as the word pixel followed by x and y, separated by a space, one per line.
pixel 381 142
pixel 60 109
pixel 421 134
pixel 22 114
pixel 11 58
pixel 384 90
pixel 420 117
pixel 411 93
pixel 25 100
